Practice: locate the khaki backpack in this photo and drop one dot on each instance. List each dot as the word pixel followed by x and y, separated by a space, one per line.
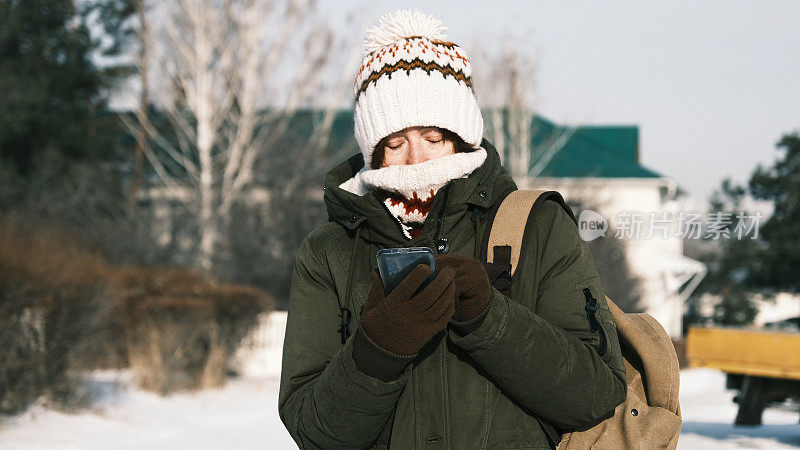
pixel 650 416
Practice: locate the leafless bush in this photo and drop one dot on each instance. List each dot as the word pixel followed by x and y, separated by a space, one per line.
pixel 54 309
pixel 182 328
pixel 64 311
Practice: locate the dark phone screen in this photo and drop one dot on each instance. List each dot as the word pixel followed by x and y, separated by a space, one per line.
pixel 394 265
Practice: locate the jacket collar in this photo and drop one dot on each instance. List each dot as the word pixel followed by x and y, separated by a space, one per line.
pixel 485 186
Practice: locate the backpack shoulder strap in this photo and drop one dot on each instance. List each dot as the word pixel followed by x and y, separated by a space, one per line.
pixel 505 245
pixel 508 229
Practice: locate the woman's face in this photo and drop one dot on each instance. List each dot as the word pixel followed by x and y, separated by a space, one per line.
pixel 415 145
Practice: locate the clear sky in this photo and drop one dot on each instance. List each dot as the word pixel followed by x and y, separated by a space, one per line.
pixel 712 85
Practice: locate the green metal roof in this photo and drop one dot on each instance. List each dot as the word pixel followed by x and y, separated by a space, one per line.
pixel 594 152
pixel 587 151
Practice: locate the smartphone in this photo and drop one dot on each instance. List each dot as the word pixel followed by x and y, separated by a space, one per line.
pixel 394 265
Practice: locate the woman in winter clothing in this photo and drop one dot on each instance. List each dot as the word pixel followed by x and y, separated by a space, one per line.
pixel 456 364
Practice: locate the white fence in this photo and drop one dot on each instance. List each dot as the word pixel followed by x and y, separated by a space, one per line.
pixel 261 351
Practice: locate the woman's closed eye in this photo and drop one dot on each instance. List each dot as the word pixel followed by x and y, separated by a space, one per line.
pixel 434 138
pixel 394 145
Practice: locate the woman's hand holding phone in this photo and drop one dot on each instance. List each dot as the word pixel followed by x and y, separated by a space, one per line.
pixel 405 320
pixel 473 289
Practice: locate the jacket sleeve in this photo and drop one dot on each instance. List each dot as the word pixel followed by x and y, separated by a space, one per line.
pixel 324 400
pixel 539 348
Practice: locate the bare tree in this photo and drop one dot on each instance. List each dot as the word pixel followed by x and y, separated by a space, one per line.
pixel 506 87
pixel 232 73
pixel 141 138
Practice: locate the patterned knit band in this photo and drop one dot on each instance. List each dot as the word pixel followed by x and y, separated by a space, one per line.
pixel 411 76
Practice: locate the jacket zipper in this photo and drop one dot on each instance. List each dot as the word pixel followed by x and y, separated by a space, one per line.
pixel 591 308
pixel 441 243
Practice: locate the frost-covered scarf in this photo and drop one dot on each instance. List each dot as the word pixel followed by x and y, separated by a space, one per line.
pixel 408 190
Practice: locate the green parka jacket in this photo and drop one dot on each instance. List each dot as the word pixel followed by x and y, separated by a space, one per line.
pixel 534 353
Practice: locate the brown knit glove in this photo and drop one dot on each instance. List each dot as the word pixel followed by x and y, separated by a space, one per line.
pixel 395 327
pixel 473 291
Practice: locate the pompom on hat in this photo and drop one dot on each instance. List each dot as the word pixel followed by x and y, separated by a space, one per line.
pixel 411 76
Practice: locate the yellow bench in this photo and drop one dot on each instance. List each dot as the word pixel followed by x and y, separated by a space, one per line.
pixel 745 351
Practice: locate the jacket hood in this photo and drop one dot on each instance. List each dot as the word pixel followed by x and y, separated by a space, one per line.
pixel 485 186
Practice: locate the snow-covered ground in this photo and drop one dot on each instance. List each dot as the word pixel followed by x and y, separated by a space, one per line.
pixel 708 413
pixel 244 415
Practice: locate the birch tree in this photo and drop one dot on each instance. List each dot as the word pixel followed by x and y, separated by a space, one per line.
pixel 141 112
pixel 506 89
pixel 230 74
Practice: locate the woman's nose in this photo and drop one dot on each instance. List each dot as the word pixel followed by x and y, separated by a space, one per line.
pixel 415 152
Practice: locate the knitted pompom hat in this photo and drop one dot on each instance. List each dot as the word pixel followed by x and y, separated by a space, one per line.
pixel 411 76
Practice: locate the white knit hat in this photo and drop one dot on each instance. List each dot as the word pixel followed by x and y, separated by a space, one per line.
pixel 410 76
